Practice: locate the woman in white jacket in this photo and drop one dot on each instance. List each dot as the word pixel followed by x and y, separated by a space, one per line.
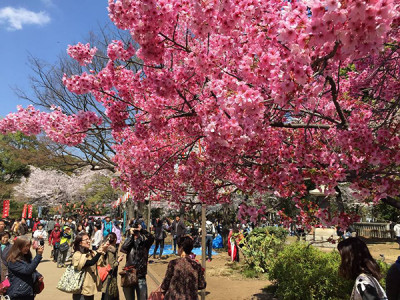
pixel 39 235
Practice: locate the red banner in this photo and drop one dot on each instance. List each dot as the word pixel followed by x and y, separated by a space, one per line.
pixel 30 208
pixel 24 211
pixel 6 208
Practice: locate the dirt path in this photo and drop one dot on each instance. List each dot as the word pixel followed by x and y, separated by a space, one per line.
pixel 222 283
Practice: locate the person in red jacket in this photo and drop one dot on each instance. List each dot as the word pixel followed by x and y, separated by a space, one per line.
pixel 54 240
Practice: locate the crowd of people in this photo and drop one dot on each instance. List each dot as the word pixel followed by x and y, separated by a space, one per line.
pixel 97 244
pixel 92 245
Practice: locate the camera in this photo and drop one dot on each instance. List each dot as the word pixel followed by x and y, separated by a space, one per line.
pixel 41 242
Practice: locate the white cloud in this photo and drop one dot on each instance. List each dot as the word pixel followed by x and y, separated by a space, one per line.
pixel 15 18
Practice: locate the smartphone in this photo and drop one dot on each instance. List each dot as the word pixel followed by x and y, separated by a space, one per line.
pixel 41 242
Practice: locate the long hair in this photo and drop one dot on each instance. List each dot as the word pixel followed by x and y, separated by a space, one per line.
pixel 15 252
pixel 356 259
pixel 77 243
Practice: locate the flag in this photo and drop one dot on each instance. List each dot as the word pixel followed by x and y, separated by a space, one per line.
pixel 24 211
pixel 6 208
pixel 30 208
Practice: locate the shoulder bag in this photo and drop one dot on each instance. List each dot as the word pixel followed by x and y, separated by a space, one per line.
pixel 128 276
pixel 71 281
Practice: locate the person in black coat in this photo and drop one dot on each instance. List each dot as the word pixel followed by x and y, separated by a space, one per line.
pixel 136 247
pixel 178 229
pixel 22 269
pixel 393 280
pixel 4 249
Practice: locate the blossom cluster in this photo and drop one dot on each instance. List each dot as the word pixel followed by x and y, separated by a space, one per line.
pixel 82 53
pixel 248 95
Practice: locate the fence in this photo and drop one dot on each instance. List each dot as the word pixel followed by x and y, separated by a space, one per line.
pixel 373 230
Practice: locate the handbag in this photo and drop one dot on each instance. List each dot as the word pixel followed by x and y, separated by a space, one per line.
pixel 63 247
pixel 5 284
pixel 156 295
pixel 128 276
pixel 103 272
pixel 38 287
pixel 71 281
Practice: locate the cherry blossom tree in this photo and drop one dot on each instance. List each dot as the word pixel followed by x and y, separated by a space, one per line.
pixel 246 95
pixel 53 187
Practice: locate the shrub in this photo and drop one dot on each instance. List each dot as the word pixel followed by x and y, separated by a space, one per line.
pixel 305 272
pixel 260 247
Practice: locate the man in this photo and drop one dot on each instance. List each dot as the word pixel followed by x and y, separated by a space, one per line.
pixel 136 247
pixel 107 226
pixel 178 229
pixel 396 230
pixel 210 233
pixel 97 237
pixel 2 226
pixel 22 228
pixel 50 225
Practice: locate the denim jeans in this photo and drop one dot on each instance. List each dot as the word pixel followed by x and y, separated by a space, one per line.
pixel 61 257
pixel 140 290
pixel 161 244
pixel 175 242
pixel 209 242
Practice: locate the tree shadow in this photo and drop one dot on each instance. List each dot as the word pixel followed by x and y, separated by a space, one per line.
pixel 266 294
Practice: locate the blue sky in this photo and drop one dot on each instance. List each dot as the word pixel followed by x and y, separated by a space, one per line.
pixel 44 29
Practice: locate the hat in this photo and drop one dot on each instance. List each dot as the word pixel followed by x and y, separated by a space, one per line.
pixel 57 225
pixel 40 224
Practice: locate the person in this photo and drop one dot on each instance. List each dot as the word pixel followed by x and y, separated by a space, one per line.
pixel 136 247
pixel 357 264
pixel 87 260
pixel 184 276
pixel 2 226
pixel 50 225
pixel 65 241
pixel 4 249
pixel 159 235
pixel 234 239
pixel 35 225
pixel 210 233
pixel 14 228
pixel 396 230
pixel 22 228
pixel 54 241
pixel 392 281
pixel 97 237
pixel 117 230
pixel 80 229
pixel 107 226
pixel 110 285
pixel 40 235
pixel 22 272
pixel 178 229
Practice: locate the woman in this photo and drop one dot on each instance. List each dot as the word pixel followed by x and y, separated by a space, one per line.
pixel 4 249
pixel 64 246
pixel 110 285
pixel 159 235
pixel 357 264
pixel 39 236
pixel 87 260
pixel 184 276
pixel 117 230
pixel 80 229
pixel 22 269
pixel 54 240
